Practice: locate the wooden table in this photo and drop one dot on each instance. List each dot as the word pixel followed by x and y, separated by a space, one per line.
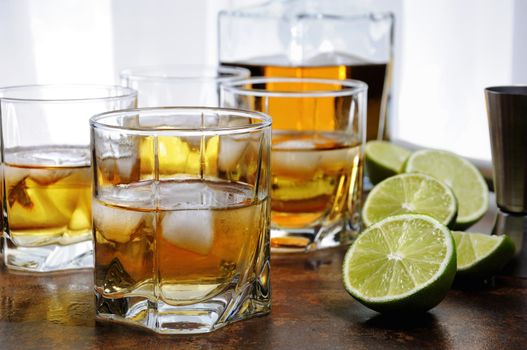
pixel 311 310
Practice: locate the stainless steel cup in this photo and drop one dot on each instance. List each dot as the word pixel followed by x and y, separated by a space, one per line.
pixel 507 116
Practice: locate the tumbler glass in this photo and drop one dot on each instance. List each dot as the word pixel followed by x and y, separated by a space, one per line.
pixel 179 85
pixel 181 217
pixel 317 160
pixel 46 172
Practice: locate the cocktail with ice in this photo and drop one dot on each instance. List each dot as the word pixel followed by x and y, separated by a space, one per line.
pixel 181 213
pixel 47 180
pixel 317 161
pixel 48 204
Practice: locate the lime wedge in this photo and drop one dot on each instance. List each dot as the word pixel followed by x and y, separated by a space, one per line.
pixel 465 180
pixel 384 159
pixel 404 263
pixel 480 255
pixel 410 194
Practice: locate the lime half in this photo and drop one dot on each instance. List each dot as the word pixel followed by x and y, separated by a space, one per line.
pixel 465 180
pixel 404 263
pixel 410 194
pixel 384 159
pixel 480 255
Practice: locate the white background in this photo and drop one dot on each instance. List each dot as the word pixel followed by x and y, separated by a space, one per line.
pixel 447 51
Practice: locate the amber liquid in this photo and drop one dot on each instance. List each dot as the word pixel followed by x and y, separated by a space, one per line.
pixel 48 204
pixel 193 242
pixel 316 179
pixel 232 158
pixel 376 75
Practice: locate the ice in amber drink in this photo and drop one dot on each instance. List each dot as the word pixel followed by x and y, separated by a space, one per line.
pixel 47 178
pixel 317 156
pixel 48 204
pixel 181 217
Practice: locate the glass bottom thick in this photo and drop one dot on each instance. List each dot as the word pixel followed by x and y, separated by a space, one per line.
pixel 48 258
pixel 231 305
pixel 297 240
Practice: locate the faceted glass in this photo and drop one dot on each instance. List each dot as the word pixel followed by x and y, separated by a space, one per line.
pixel 317 162
pixel 181 217
pixel 46 172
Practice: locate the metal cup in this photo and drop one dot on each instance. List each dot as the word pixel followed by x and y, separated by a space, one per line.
pixel 507 117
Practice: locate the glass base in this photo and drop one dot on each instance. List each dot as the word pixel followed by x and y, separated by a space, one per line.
pixel 48 258
pixel 298 240
pixel 227 307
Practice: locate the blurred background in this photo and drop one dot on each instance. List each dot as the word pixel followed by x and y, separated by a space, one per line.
pixel 446 52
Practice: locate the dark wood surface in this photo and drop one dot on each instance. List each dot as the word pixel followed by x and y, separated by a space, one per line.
pixel 311 310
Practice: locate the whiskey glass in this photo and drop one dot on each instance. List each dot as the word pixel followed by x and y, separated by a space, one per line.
pixel 181 217
pixel 317 156
pixel 47 183
pixel 179 85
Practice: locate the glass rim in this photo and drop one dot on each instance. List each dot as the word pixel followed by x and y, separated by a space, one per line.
pixel 250 12
pixel 123 92
pixel 264 121
pixel 149 72
pixel 512 90
pixel 352 87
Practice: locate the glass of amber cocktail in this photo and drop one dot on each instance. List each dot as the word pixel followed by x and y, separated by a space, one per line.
pixel 46 172
pixel 317 156
pixel 181 217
